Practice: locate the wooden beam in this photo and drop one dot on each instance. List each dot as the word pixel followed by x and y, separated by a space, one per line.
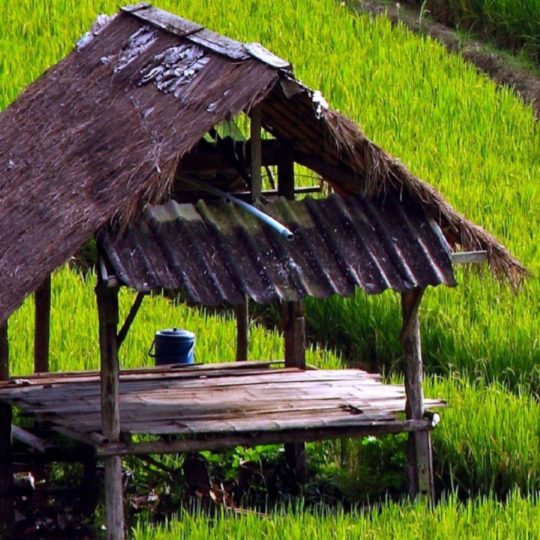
pixel 107 302
pixel 129 319
pixel 242 330
pixel 420 461
pixel 273 192
pixel 42 301
pixel 29 439
pixel 209 157
pixel 469 257
pixel 251 439
pixel 331 172
pixel 6 473
pixel 256 153
pixel 286 175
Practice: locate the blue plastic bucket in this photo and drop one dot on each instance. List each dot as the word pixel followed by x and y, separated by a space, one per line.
pixel 173 346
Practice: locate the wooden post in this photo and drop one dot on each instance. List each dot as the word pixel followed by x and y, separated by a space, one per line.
pixel 242 310
pixel 294 331
pixel 256 153
pixel 419 455
pixel 293 323
pixel 42 301
pixel 6 473
pixel 286 175
pixel 107 302
pixel 242 330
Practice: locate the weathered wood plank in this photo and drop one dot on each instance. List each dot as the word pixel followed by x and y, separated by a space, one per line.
pixel 190 379
pixel 218 443
pixel 469 257
pixel 170 371
pixel 43 397
pixel 29 439
pixel 219 44
pixel 162 19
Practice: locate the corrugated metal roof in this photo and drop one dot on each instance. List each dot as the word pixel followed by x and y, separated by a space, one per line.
pixel 216 252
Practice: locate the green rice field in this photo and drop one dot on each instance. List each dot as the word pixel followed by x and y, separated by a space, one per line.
pixel 482 518
pixel 454 128
pixel 510 23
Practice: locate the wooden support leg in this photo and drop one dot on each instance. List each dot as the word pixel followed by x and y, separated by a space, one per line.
pixel 6 473
pixel 42 300
pixel 89 492
pixel 295 454
pixel 242 330
pixel 107 300
pixel 114 498
pixel 419 455
pixel 294 330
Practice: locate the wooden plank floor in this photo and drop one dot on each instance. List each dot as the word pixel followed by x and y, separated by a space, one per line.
pixel 220 400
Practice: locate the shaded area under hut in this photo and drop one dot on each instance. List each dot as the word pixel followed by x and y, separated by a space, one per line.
pixel 132 120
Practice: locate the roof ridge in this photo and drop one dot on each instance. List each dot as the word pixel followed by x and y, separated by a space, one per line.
pixel 197 33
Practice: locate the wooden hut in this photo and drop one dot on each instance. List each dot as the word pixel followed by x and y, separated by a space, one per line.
pixel 121 140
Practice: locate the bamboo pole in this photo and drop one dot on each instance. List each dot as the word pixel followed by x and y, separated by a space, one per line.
pixel 129 319
pixel 242 310
pixel 419 454
pixel 256 153
pixel 107 302
pixel 6 473
pixel 42 300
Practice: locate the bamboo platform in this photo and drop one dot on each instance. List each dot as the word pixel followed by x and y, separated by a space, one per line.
pixel 215 406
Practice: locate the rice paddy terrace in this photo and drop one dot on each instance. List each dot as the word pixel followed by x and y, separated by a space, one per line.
pixel 478 144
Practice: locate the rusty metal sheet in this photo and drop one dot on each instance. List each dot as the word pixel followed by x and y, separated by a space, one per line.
pixel 214 253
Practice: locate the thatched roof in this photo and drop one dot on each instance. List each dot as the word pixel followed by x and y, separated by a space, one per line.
pixel 103 132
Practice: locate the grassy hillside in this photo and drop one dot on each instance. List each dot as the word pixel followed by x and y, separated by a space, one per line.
pixel 511 23
pixel 475 142
pixel 485 518
pixel 478 144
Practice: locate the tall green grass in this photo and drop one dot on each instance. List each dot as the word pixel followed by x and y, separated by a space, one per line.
pixel 478 144
pixel 487 442
pixel 480 330
pixel 488 439
pixel 485 518
pixel 511 23
pixel 74 330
